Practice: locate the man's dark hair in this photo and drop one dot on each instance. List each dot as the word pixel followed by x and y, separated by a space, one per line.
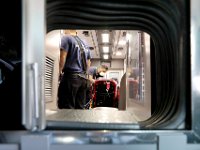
pixel 105 67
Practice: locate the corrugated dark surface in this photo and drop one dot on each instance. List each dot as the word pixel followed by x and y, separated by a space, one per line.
pixel 166 22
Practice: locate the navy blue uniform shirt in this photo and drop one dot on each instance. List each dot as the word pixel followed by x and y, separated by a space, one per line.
pixel 93 72
pixel 73 62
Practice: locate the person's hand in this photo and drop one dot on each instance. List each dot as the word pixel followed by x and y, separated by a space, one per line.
pixel 93 81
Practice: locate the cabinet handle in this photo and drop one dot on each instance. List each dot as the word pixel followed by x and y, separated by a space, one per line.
pixel 34 67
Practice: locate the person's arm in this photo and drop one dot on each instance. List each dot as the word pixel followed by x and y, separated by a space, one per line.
pixel 90 72
pixel 91 79
pixel 88 63
pixel 63 56
pixel 88 58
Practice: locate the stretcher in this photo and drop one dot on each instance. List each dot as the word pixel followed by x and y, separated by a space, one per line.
pixel 105 93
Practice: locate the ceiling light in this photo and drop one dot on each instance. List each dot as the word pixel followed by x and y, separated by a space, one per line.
pixel 122 42
pixel 105 37
pixel 128 37
pixel 118 53
pixel 105 49
pixel 105 56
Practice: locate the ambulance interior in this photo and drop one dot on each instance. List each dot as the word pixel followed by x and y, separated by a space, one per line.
pixel 127 55
pixel 148 51
pixel 156 43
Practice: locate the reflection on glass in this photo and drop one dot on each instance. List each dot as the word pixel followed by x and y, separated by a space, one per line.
pixel 127 79
pixel 138 75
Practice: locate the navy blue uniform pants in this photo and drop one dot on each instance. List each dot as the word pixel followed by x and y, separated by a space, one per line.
pixel 71 92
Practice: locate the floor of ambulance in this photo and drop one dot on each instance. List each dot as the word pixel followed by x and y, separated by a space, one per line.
pixel 99 115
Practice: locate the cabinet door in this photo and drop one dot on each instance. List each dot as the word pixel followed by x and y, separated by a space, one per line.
pixel 34 30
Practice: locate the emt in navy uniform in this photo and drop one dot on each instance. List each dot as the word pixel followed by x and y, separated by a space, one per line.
pixel 72 87
pixel 96 72
pixel 93 74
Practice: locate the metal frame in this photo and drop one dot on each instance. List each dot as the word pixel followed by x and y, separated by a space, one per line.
pixel 195 69
pixel 34 31
pixel 33 52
